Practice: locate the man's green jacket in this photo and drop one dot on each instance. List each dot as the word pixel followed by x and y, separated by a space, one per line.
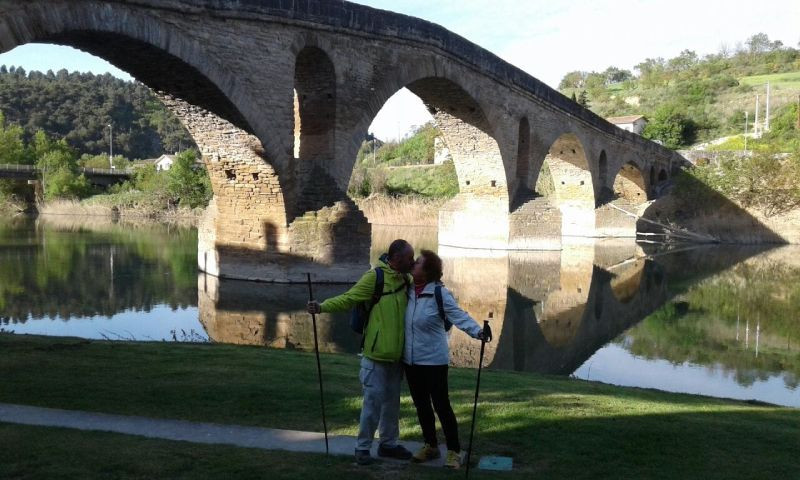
pixel 385 332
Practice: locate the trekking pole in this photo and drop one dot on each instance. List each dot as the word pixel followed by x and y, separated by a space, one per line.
pixel 487 337
pixel 319 368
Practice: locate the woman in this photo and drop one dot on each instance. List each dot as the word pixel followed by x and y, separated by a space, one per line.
pixel 426 356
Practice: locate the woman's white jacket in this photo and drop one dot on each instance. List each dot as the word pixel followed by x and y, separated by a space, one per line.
pixel 425 335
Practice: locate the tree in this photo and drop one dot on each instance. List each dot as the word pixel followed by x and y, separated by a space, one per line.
pixel 669 126
pixel 651 71
pixel 13 151
pixel 686 60
pixel 187 182
pixel 583 99
pixel 12 146
pixel 758 43
pixel 63 182
pixel 616 75
pixel 58 163
pixel 573 79
pixel 595 82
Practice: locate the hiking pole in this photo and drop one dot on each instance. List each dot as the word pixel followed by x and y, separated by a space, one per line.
pixel 487 337
pixel 319 368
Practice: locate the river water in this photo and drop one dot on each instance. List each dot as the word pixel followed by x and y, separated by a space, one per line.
pixel 715 321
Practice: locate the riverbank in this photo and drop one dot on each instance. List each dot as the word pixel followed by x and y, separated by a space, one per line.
pixel 724 220
pixel 379 210
pixel 101 210
pixel 553 427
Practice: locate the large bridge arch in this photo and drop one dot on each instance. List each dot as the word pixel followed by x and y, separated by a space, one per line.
pixel 566 178
pixel 469 136
pixel 630 184
pixel 471 127
pixel 478 215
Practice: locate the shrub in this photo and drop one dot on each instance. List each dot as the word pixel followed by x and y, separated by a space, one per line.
pixel 187 181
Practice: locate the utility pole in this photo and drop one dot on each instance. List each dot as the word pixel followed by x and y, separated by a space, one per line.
pixel 746 117
pixel 111 146
pixel 755 122
pixel 766 118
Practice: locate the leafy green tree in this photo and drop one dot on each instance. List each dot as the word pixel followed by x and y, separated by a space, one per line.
pixel 758 43
pixel 12 145
pixel 652 72
pixel 63 182
pixel 13 151
pixel 574 79
pixel 669 126
pixel 616 75
pixel 595 80
pixel 57 155
pixel 683 62
pixel 188 182
pixel 58 163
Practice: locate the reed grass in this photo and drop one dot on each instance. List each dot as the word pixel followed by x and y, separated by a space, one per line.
pixel 384 210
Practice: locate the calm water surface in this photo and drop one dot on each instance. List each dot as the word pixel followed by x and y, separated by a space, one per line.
pixel 715 321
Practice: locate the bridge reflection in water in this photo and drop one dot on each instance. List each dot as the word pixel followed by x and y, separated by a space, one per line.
pixel 552 310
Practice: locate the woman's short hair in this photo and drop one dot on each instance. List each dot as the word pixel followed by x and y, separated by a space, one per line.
pixel 432 267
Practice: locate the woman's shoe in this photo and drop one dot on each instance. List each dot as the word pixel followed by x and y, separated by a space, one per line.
pixel 426 454
pixel 453 460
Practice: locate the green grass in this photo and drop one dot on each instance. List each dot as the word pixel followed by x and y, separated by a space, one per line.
pixel 778 81
pixel 553 427
pixel 439 181
pixel 56 453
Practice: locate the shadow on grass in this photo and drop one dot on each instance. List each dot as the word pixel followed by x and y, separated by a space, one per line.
pixel 551 426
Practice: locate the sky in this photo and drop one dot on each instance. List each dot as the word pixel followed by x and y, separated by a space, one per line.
pixel 546 38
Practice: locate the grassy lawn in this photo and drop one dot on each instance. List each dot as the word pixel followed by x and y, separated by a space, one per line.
pixel 553 427
pixel 780 81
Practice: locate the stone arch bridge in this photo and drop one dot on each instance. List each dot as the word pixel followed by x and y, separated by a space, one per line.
pixel 279 96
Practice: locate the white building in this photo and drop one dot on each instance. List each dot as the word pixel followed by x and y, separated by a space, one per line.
pixel 631 123
pixel 164 162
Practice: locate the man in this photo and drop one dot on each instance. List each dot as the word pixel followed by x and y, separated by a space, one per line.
pixel 381 371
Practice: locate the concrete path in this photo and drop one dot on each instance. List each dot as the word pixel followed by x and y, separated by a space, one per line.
pixel 213 433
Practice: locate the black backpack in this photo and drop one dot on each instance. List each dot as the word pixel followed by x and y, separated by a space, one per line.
pixel 437 292
pixel 360 315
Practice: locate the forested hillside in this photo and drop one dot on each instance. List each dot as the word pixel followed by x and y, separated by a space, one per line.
pixel 690 98
pixel 79 106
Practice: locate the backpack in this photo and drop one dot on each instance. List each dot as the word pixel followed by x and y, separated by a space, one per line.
pixel 437 292
pixel 360 315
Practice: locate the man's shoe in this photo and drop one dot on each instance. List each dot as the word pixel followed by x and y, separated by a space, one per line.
pixel 453 460
pixel 364 458
pixel 397 452
pixel 426 454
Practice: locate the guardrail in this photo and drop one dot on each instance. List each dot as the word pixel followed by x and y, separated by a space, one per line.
pixel 12 167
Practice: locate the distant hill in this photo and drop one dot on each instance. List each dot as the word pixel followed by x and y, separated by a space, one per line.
pixel 690 99
pixel 79 106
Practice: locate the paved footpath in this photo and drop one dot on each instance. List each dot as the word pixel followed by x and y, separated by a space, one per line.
pixel 214 433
